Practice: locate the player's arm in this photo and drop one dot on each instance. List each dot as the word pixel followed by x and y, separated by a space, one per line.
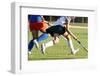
pixel 42 18
pixel 46 21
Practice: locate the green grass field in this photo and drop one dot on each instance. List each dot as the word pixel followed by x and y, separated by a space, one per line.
pixel 61 50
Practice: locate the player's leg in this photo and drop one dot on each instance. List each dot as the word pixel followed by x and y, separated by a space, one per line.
pixel 35 27
pixel 42 37
pixel 53 42
pixel 42 28
pixel 50 43
pixel 70 44
pixel 31 42
pixel 36 40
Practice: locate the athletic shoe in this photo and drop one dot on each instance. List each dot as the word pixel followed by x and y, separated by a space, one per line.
pixel 75 51
pixel 43 48
pixel 36 44
pixel 29 52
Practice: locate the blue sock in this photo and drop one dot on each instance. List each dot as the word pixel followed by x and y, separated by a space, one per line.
pixel 42 37
pixel 30 45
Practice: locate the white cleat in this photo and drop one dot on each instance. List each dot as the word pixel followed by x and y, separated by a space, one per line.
pixel 36 44
pixel 43 48
pixel 75 51
pixel 29 52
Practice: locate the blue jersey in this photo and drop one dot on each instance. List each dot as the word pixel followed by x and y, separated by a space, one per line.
pixel 35 18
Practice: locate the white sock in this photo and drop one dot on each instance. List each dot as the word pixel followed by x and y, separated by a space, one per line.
pixel 48 44
pixel 71 45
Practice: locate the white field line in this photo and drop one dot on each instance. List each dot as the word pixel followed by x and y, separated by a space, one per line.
pixel 70 26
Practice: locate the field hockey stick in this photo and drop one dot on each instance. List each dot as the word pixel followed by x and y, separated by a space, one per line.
pixel 74 37
pixel 82 45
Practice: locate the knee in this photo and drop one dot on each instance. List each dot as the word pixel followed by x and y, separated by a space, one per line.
pixel 68 37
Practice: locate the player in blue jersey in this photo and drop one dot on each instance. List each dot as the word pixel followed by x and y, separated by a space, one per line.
pixel 36 23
